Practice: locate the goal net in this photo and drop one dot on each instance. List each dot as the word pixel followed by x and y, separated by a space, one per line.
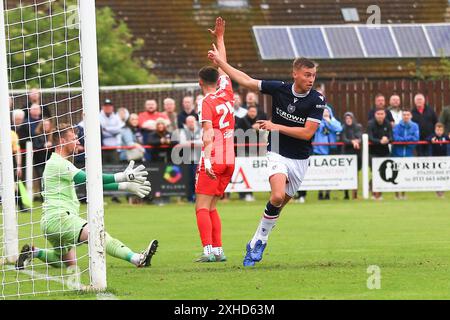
pixel 48 76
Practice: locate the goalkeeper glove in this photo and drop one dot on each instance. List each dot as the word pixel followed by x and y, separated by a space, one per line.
pixel 138 175
pixel 141 190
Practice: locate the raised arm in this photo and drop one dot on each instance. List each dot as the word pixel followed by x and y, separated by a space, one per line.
pixel 219 33
pixel 235 74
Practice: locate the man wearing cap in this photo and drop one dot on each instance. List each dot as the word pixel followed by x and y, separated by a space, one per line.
pixel 111 125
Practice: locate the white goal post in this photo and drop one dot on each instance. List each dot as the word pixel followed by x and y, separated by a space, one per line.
pixel 10 233
pixel 91 102
pixel 74 22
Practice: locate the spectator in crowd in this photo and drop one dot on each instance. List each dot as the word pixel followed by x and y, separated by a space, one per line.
pixel 351 136
pixel 34 118
pixel 426 118
pixel 188 110
pixel 320 88
pixel 439 149
pixel 42 149
pixel 444 118
pixel 131 136
pixel 171 114
pixel 147 118
pixel 18 117
pixel 123 114
pixel 438 140
pixel 395 108
pixel 161 141
pixel 239 111
pixel 327 133
pixel 17 163
pixel 16 153
pixel 380 104
pixel 198 99
pixel 22 130
pixel 43 140
pixel 34 97
pixel 248 122
pixel 251 100
pixel 111 126
pixel 405 131
pixel 191 140
pixel 20 127
pixel 250 128
pixel 79 160
pixel 380 135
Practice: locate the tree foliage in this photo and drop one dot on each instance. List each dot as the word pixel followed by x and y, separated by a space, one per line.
pixel 435 71
pixel 44 48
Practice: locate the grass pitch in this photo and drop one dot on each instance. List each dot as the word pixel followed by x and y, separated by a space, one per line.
pixel 318 250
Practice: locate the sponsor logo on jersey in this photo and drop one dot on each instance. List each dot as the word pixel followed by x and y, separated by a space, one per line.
pixel 321 98
pixel 291 108
pixel 321 106
pixel 290 117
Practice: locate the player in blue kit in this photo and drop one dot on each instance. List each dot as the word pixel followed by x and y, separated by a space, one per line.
pixel 296 115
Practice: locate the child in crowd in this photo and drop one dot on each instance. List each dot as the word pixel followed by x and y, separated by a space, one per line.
pixel 439 149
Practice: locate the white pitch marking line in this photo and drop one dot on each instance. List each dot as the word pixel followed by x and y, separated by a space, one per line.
pixel 39 276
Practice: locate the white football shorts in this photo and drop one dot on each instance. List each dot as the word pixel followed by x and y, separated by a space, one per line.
pixel 293 169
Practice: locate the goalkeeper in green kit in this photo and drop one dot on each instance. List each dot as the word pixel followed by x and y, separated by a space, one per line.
pixel 60 221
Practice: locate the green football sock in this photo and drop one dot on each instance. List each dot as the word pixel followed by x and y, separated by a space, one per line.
pixel 51 257
pixel 117 249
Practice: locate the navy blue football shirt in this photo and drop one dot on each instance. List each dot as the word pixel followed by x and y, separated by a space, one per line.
pixel 292 109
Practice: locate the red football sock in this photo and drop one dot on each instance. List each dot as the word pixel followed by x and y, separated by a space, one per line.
pixel 216 228
pixel 204 226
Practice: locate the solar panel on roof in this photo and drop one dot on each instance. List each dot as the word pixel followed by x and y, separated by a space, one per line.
pixel 344 42
pixel 274 43
pixel 412 41
pixel 309 42
pixel 378 42
pixel 440 39
pixel 349 41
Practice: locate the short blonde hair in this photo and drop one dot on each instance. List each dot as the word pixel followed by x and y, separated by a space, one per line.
pixel 303 63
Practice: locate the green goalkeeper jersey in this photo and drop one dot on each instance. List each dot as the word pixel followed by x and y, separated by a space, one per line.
pixel 59 186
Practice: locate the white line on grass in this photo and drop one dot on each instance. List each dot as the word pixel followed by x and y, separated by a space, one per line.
pixel 39 276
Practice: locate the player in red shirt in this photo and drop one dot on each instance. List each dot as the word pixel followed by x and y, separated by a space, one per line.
pixel 216 115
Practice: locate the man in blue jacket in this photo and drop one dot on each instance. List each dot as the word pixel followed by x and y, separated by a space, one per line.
pixel 327 133
pixel 405 131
